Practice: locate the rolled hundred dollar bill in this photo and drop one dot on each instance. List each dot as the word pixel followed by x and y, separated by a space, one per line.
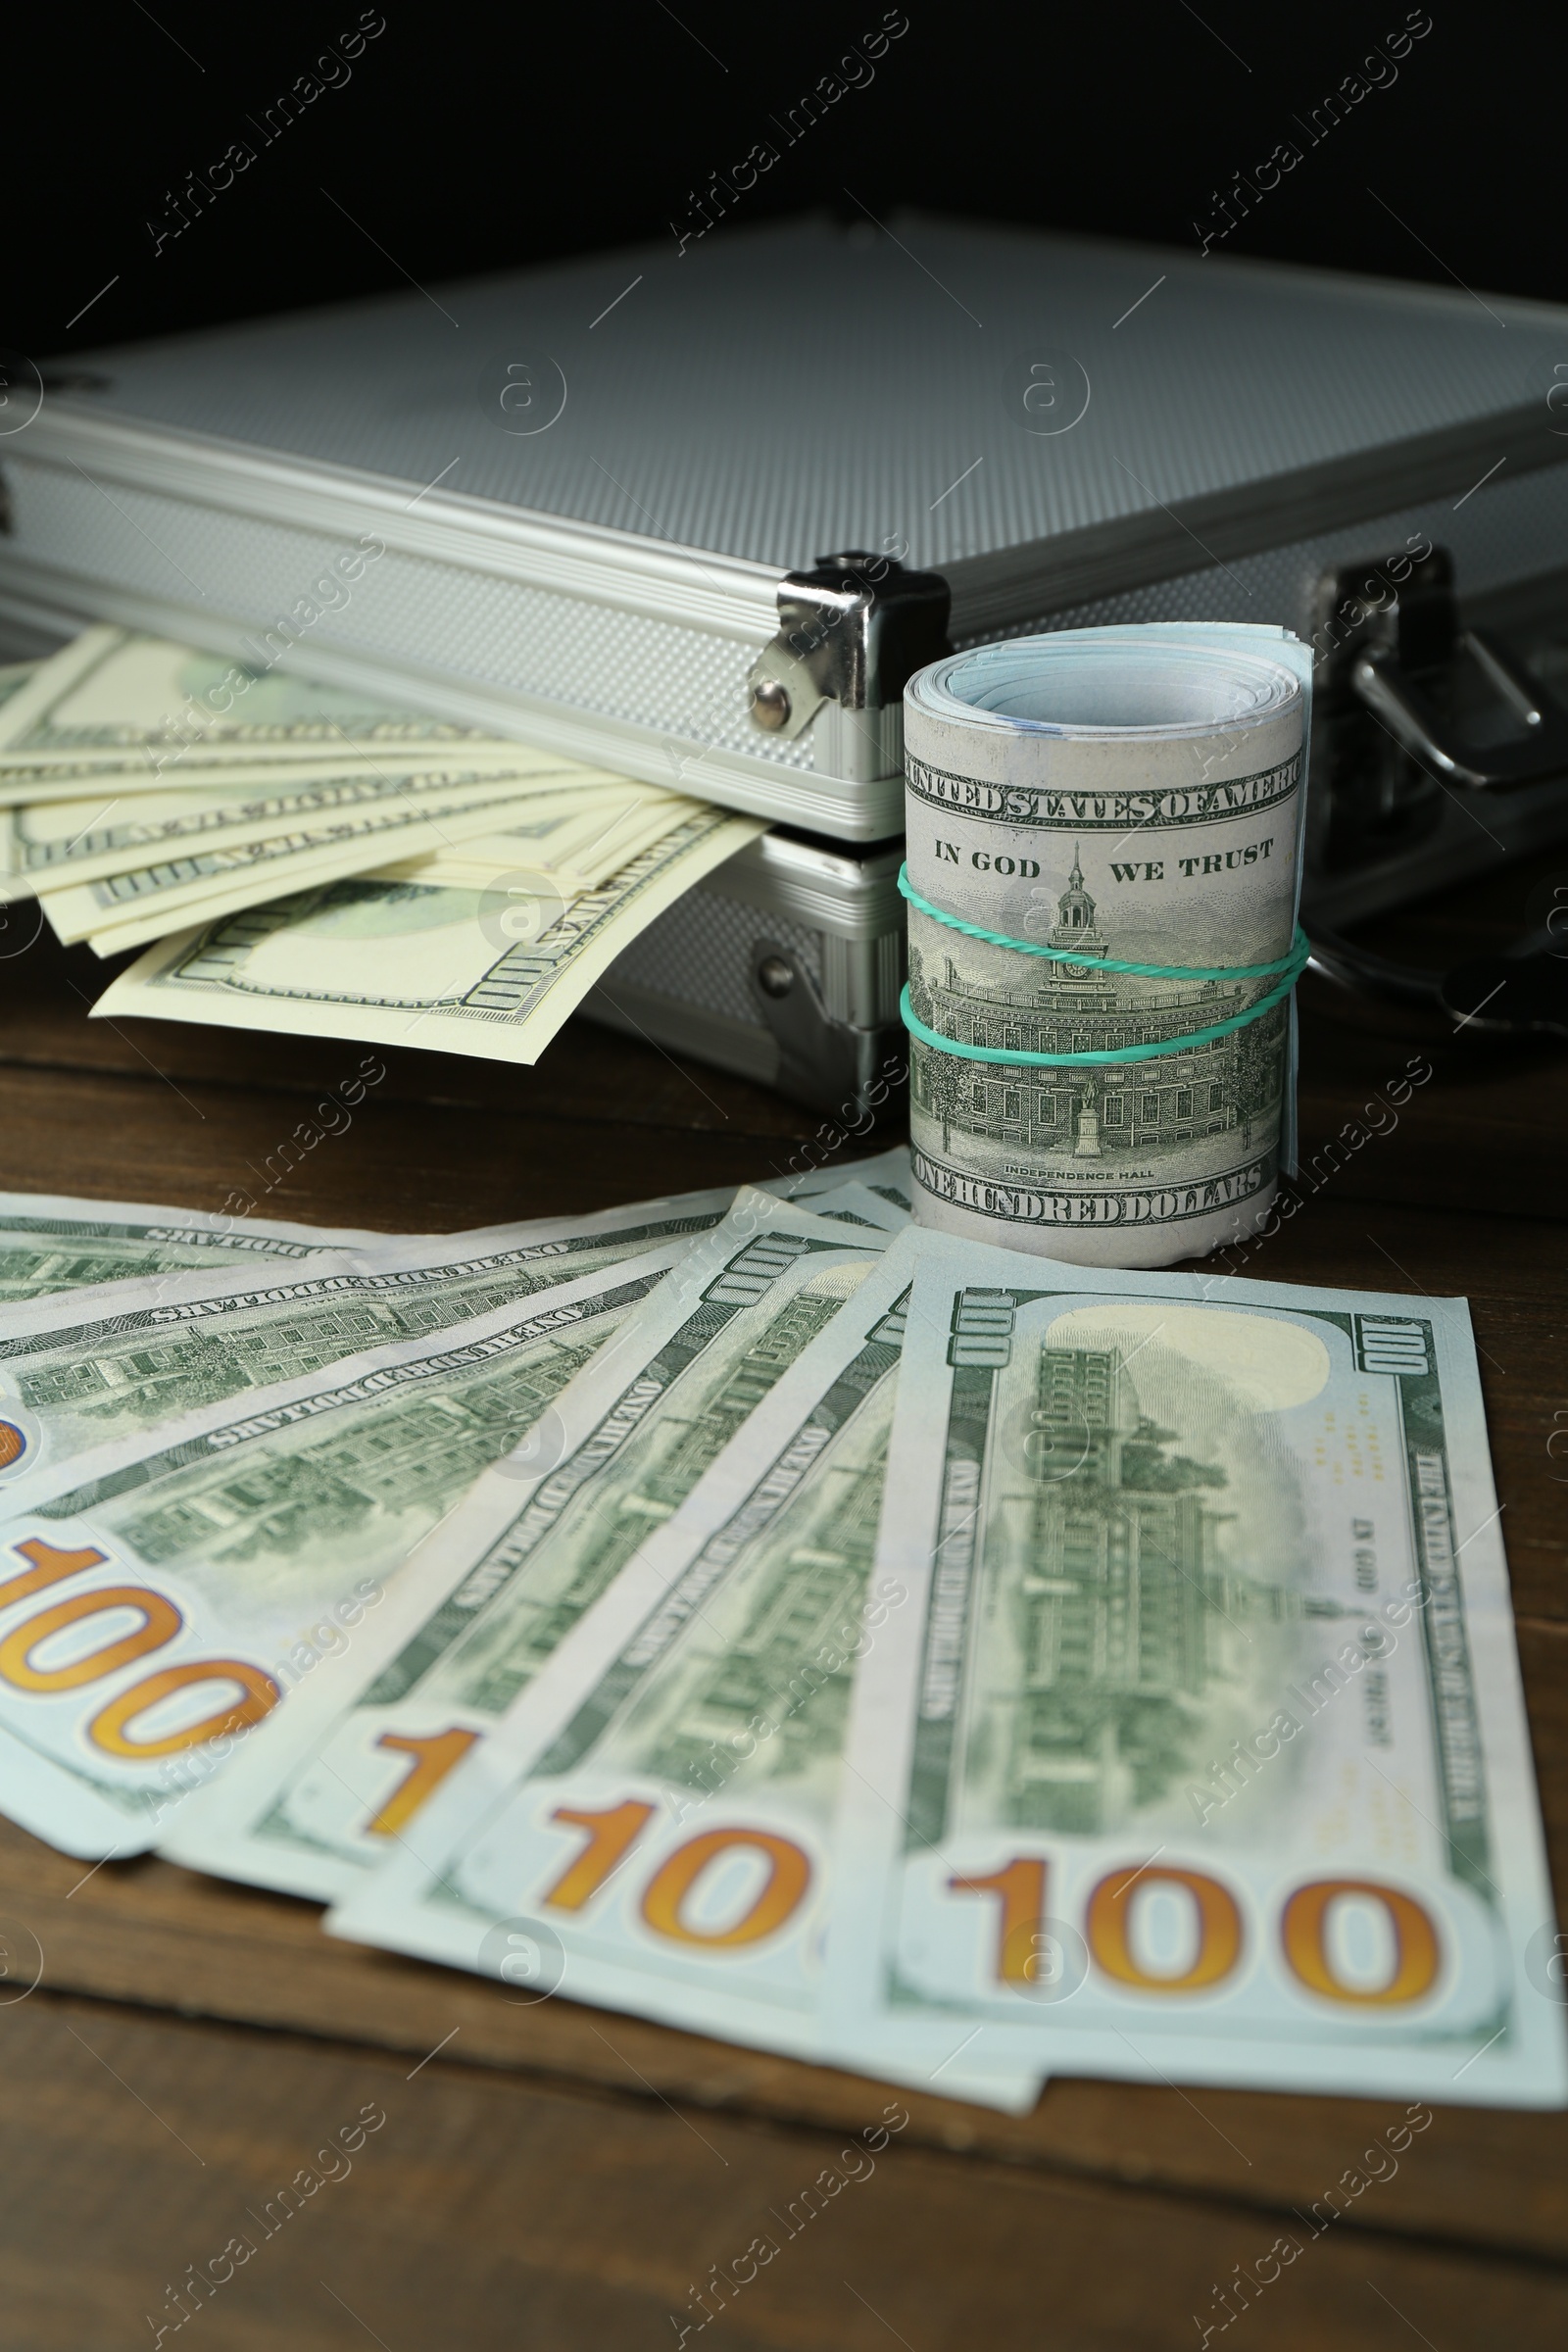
pixel 1103 868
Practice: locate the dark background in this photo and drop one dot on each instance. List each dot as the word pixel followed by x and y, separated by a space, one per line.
pixel 475 137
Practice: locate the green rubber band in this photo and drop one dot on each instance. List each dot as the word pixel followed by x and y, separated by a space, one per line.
pixel 1290 966
pixel 1014 1058
pixel 1295 962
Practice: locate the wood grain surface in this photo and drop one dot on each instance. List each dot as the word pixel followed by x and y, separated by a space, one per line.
pixel 558 2176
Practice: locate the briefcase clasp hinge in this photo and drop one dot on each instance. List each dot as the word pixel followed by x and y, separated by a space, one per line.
pixel 823 1061
pixel 851 630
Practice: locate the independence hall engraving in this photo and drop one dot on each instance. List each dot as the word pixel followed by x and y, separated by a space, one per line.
pixel 1088 1114
pixel 1135 1627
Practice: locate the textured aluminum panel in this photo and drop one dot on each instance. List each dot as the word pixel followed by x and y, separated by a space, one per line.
pixel 722 405
pixel 676 692
pixel 856 898
pixel 696 960
pixel 699 950
pixel 1511 530
pixel 635 668
pixel 644 684
pixel 743 1047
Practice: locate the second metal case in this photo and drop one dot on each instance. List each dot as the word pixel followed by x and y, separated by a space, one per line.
pixel 785 965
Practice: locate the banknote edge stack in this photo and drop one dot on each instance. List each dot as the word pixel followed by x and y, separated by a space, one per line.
pixel 297 858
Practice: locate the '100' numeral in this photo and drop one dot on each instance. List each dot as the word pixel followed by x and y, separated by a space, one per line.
pixel 110 1728
pixel 1018 1890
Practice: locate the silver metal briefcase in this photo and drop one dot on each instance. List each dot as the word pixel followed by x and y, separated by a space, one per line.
pixel 696 514
pixel 605 489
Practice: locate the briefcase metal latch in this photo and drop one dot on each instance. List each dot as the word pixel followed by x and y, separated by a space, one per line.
pixel 851 630
pixel 1408 669
pixel 823 1061
pixel 1412 703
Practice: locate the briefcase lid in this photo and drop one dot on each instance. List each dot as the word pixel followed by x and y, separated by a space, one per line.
pixel 1033 416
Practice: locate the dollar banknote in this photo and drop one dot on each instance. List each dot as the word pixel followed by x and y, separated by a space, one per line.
pixel 860 1204
pixel 654 1819
pixel 313 1802
pixel 36 789
pixel 1107 797
pixel 60 845
pixel 792 1613
pixel 49 1243
pixel 559 846
pixel 77 1369
pixel 606 832
pixel 399 963
pixel 211 876
pixel 1197 1750
pixel 14 675
pixel 144 707
pixel 163 1593
pixel 698 1717
pixel 886 1172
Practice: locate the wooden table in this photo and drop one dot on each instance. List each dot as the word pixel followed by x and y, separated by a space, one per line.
pixel 561 2176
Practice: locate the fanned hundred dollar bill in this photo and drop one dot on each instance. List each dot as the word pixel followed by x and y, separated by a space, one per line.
pixel 160 1594
pixel 146 708
pixel 52 1242
pixel 610 829
pixel 80 1369
pixel 210 876
pixel 1197 1750
pixel 656 1812
pixel 113 836
pixel 402 964
pixel 886 1172
pixel 314 1801
pixel 559 846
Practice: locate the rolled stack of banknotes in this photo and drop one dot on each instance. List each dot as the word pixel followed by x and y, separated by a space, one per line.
pixel 305 859
pixel 1104 833
pixel 762 1614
